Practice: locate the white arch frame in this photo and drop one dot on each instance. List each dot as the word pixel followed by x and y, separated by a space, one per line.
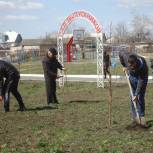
pixel 98 29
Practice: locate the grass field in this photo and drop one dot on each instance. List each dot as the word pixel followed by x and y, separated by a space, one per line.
pixel 79 125
pixel 86 67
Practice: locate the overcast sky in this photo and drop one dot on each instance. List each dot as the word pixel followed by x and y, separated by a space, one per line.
pixel 35 18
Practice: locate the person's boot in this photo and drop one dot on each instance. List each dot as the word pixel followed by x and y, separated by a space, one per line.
pixel 55 99
pixel 21 109
pixel 6 108
pixel 143 123
pixel 138 120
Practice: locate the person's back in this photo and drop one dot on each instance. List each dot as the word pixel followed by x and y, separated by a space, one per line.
pixel 50 66
pixel 9 84
pixel 106 63
pixel 106 58
pixel 123 56
pixel 7 70
pixel 141 70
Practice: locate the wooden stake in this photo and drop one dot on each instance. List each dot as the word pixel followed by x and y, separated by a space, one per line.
pixel 65 80
pixel 110 100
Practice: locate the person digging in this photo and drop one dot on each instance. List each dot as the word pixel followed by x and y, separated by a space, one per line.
pixel 137 71
pixel 9 80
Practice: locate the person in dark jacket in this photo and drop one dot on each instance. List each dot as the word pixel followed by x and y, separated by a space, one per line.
pixel 124 55
pixel 138 76
pixel 106 63
pixel 50 67
pixel 9 79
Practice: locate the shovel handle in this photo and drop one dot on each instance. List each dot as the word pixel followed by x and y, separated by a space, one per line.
pixel 131 92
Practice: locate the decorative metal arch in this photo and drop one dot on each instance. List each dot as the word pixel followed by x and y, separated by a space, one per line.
pixel 98 29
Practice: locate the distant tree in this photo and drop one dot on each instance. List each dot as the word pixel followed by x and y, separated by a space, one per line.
pixel 142 28
pixel 121 33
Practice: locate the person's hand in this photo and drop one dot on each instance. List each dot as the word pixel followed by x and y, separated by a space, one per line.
pixel 125 69
pixel 1 98
pixel 135 98
pixel 59 76
pixel 64 69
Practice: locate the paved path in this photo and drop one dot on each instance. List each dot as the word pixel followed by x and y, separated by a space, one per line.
pixel 79 78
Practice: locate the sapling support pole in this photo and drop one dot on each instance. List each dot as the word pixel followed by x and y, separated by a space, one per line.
pixel 110 100
pixel 65 80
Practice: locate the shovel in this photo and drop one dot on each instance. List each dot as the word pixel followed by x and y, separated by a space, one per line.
pixel 134 103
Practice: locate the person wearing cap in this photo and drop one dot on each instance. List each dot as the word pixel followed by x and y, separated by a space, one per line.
pixel 137 69
pixel 50 67
pixel 9 79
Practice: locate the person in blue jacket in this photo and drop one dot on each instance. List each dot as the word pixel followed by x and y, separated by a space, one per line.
pixel 137 69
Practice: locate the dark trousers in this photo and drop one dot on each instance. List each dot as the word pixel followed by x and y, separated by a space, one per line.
pixel 106 70
pixel 11 85
pixel 141 97
pixel 51 90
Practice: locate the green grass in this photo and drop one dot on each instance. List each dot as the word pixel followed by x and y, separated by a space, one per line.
pixel 86 67
pixel 79 125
